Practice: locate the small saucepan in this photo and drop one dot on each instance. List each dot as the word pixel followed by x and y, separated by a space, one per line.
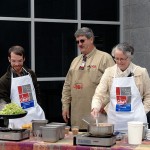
pixel 102 129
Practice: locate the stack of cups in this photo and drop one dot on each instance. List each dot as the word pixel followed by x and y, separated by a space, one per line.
pixel 135 131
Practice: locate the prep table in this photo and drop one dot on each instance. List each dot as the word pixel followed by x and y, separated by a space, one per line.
pixel 66 144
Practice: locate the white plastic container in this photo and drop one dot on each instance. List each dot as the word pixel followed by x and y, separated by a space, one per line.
pixel 135 131
pixel 50 133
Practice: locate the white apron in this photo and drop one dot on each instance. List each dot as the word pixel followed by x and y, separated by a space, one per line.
pixel 124 91
pixel 23 93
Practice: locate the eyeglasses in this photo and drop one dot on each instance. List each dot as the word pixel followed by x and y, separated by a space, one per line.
pixel 120 59
pixel 81 41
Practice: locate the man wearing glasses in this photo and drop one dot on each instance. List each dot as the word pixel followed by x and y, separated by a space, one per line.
pixel 128 87
pixel 19 85
pixel 82 78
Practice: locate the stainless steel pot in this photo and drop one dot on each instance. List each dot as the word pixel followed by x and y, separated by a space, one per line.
pixel 102 129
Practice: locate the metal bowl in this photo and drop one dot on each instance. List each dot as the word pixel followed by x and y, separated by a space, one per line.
pixel 102 129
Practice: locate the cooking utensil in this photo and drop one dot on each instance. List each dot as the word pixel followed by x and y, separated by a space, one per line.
pixel 36 125
pixel 99 129
pixel 50 133
pixel 103 129
pixel 96 121
pixel 85 121
pixel 14 134
pixel 61 128
pixel 3 129
pixel 89 119
pixel 86 139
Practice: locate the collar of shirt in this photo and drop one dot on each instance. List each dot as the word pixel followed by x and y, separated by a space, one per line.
pixel 23 73
pixel 91 53
pixel 125 73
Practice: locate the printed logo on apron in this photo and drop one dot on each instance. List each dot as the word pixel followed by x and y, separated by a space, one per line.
pixel 123 97
pixel 25 96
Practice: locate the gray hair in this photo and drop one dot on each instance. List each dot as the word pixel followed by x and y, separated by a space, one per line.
pixel 125 48
pixel 84 31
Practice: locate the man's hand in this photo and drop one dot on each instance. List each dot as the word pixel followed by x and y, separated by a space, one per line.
pixel 65 115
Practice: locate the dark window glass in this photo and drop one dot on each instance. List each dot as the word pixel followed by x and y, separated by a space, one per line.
pixel 57 9
pixel 17 8
pixel 106 10
pixel 106 36
pixel 51 100
pixel 13 33
pixel 55 48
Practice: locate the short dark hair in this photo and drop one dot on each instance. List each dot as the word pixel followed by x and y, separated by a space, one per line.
pixel 18 50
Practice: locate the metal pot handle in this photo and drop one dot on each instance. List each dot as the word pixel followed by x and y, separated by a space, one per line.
pixel 86 121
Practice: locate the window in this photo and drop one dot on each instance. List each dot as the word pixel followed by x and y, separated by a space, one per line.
pixel 55 48
pixel 105 36
pixel 14 33
pixel 17 8
pixel 55 9
pixel 45 28
pixel 105 10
